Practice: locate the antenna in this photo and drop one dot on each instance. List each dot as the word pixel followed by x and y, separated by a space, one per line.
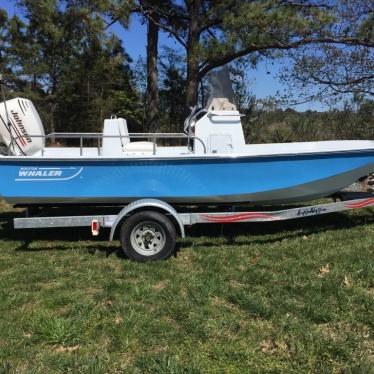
pixel 6 111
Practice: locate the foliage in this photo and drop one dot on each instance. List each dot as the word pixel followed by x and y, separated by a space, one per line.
pixel 61 55
pixel 267 124
pixel 172 91
pixel 333 72
pixel 215 33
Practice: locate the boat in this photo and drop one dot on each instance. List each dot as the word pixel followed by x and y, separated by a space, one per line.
pixel 214 166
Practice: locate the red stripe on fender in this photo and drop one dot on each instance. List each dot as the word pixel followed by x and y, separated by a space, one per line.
pixel 243 214
pixel 361 204
pixel 236 217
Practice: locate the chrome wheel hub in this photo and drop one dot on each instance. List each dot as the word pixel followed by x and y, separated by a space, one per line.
pixel 148 238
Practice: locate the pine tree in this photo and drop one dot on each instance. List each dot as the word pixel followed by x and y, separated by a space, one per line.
pixel 64 58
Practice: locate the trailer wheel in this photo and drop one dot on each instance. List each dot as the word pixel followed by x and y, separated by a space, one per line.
pixel 148 236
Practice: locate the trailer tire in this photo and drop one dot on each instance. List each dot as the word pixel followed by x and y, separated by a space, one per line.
pixel 148 236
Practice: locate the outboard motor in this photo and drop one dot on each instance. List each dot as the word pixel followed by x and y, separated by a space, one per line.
pixel 21 129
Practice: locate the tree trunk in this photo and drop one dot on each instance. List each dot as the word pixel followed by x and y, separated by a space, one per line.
pixel 152 75
pixel 193 77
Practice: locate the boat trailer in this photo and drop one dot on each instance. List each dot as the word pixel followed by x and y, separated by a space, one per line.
pixel 148 228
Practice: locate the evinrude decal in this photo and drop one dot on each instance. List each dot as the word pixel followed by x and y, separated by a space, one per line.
pixel 37 174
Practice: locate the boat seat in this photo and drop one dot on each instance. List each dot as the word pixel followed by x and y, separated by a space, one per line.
pixel 119 144
pixel 115 127
pixel 141 147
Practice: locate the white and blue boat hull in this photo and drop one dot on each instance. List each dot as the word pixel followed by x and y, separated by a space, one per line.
pixel 264 179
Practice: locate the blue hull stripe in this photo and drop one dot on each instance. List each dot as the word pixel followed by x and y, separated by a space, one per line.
pixel 172 179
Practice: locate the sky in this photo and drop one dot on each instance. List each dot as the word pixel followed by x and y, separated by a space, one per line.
pixel 263 79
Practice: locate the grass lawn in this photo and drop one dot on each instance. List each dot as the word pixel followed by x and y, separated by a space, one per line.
pixel 291 297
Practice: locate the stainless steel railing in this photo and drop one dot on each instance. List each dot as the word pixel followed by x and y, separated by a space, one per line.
pixel 99 137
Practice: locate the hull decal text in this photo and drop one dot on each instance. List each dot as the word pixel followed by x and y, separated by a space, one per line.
pixel 38 174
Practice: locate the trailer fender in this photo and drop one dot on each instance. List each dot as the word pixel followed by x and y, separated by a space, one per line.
pixel 142 205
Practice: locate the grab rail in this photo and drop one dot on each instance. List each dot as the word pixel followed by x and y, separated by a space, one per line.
pixel 99 137
pixel 190 120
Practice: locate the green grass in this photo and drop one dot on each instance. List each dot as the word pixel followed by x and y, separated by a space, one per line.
pixel 291 297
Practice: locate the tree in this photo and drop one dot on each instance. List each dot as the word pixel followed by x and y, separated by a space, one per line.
pixel 4 43
pixel 334 73
pixel 214 33
pixel 152 73
pixel 63 55
pixel 152 92
pixel 172 90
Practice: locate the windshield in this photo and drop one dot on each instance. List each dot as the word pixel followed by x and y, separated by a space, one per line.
pixel 221 93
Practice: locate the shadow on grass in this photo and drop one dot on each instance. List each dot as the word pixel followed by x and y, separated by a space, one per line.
pixel 92 247
pixel 258 233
